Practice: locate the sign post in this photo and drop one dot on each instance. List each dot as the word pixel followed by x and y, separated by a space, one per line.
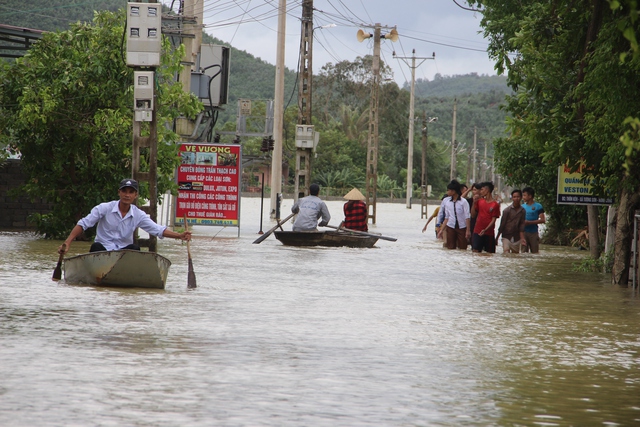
pixel 209 184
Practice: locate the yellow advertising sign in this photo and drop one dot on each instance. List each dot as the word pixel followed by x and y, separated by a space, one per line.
pixel 575 189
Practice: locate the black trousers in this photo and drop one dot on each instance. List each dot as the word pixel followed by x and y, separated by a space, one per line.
pixel 99 247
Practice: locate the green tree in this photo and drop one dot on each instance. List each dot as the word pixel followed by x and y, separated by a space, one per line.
pixel 67 109
pixel 571 94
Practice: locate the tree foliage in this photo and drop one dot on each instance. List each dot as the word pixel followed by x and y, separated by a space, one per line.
pixel 573 87
pixel 67 109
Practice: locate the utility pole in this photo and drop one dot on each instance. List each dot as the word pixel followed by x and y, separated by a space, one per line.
pixel 485 165
pixel 192 13
pixel 372 144
pixel 304 146
pixel 425 144
pixel 452 172
pixel 475 139
pixel 278 115
pixel 413 67
pixel 144 47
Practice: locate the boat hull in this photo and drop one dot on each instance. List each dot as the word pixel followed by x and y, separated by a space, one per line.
pixel 118 268
pixel 325 238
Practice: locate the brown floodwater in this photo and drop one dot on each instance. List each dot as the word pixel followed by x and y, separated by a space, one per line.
pixel 403 334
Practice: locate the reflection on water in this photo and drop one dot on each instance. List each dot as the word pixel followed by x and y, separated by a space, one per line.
pixel 406 333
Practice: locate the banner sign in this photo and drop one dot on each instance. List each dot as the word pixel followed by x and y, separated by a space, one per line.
pixel 573 189
pixel 209 184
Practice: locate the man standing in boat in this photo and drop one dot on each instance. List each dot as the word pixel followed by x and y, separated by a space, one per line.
pixel 117 220
pixel 309 210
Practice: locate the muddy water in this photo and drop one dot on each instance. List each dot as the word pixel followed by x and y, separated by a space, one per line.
pixel 404 334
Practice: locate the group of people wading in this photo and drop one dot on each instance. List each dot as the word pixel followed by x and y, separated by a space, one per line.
pixel 461 219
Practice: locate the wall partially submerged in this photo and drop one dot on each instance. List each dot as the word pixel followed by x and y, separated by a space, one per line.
pixel 14 211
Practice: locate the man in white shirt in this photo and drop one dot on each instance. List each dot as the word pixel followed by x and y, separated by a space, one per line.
pixel 457 218
pixel 117 221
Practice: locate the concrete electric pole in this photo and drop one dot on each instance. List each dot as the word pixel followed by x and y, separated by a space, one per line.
pixel 278 114
pixel 305 135
pixel 423 178
pixel 413 67
pixel 372 144
pixel 452 172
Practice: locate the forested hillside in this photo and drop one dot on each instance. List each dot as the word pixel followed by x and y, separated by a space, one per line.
pixel 340 109
pixel 451 86
pixel 52 15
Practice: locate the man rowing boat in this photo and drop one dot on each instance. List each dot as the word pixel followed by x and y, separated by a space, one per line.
pixel 117 220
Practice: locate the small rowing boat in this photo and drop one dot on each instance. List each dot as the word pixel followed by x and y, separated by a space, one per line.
pixel 118 268
pixel 325 238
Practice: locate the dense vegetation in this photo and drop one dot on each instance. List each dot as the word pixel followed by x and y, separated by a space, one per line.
pixel 574 72
pixel 52 15
pixel 340 109
pixel 67 109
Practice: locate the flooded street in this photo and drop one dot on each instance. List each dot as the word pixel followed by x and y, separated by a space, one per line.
pixel 404 334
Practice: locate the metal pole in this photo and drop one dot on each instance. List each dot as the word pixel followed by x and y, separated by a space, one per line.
pixel 261 204
pixel 278 115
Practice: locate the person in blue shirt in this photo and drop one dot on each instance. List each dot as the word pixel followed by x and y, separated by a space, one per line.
pixel 534 215
pixel 117 221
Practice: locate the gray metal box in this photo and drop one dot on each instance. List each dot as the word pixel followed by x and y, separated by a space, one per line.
pixel 214 62
pixel 144 34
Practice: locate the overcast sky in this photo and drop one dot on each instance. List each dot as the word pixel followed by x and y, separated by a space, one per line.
pixel 427 26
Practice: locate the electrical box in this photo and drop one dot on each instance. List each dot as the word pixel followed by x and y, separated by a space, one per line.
pixel 143 95
pixel 200 83
pixel 214 62
pixel 306 137
pixel 144 34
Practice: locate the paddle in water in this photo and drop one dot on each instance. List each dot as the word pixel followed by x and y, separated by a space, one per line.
pixel 57 273
pixel 268 233
pixel 364 233
pixel 191 276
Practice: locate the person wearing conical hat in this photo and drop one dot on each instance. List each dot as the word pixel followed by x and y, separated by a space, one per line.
pixel 355 211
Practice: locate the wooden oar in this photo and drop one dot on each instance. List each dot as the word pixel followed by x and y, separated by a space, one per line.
pixel 364 233
pixel 191 276
pixel 57 273
pixel 268 233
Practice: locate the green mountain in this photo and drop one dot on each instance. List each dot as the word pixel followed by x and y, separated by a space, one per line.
pixel 453 86
pixel 344 114
pixel 51 15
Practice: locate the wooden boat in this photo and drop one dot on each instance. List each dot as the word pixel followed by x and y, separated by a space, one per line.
pixel 118 268
pixel 325 238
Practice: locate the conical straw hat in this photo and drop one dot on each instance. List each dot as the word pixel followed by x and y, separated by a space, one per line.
pixel 354 194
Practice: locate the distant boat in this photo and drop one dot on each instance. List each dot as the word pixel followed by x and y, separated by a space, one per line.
pixel 325 238
pixel 118 268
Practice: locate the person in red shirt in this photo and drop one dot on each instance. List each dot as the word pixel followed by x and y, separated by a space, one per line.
pixel 355 211
pixel 488 210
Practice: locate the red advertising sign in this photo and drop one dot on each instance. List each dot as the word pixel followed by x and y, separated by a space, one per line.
pixel 209 184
